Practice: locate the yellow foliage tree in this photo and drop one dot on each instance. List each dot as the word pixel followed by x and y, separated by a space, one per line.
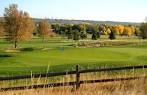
pixel 108 30
pixel 133 29
pixel 44 29
pixel 121 29
pixel 18 24
pixel 1 29
pixel 115 29
pixel 128 31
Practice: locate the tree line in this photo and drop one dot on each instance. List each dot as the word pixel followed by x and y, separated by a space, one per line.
pixel 18 25
pixel 96 30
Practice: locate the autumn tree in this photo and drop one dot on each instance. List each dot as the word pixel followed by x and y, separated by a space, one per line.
pixel 108 31
pixel 121 29
pixel 133 29
pixel 44 29
pixel 102 29
pixel 137 31
pixel 143 29
pixel 116 30
pixel 1 29
pixel 18 24
pixel 128 31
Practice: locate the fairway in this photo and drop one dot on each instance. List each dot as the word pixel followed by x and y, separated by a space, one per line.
pixel 64 59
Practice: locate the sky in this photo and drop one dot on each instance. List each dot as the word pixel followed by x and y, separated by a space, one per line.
pixel 102 10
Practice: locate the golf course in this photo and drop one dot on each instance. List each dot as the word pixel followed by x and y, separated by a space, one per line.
pixel 73 47
pixel 56 54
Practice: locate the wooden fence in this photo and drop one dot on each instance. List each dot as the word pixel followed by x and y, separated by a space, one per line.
pixel 77 83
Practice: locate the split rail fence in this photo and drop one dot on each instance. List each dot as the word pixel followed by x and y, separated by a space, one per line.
pixel 75 83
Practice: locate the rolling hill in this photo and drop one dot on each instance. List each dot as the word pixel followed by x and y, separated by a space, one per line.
pixel 65 21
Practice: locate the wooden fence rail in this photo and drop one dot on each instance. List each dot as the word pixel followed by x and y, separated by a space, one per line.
pixel 70 83
pixel 52 74
pixel 76 83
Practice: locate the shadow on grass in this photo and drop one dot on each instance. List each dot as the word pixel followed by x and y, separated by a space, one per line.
pixel 3 55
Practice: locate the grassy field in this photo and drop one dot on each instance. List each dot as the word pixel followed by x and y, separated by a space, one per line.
pixel 135 87
pixel 57 54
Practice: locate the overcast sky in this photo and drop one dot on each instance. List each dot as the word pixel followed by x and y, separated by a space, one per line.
pixel 103 10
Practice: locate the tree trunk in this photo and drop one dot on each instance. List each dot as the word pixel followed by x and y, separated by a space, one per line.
pixel 15 43
pixel 43 39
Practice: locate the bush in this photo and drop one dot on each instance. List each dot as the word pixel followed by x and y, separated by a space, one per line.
pixel 27 49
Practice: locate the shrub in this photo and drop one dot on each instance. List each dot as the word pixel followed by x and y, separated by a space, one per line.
pixel 27 49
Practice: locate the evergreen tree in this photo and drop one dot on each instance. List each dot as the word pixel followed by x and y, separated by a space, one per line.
pixel 94 36
pixel 95 32
pixel 112 35
pixel 83 35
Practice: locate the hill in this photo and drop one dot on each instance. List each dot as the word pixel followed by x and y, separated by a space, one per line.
pixel 65 21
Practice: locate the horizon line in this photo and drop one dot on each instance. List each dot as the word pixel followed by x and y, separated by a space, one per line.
pixel 81 19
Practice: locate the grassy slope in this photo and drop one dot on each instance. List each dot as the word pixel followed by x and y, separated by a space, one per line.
pixel 55 59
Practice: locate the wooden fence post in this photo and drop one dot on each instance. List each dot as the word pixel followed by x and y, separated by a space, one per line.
pixel 77 77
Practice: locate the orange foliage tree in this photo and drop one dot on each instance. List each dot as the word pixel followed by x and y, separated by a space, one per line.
pixel 1 29
pixel 121 29
pixel 44 29
pixel 128 31
pixel 18 24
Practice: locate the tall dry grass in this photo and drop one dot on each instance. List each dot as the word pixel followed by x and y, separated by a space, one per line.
pixel 134 87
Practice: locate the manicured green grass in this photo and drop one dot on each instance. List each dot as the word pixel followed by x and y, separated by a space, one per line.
pixel 56 58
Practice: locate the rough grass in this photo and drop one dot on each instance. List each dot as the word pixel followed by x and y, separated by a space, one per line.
pixel 135 87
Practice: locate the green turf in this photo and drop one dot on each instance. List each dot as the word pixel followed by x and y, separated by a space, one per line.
pixel 55 58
